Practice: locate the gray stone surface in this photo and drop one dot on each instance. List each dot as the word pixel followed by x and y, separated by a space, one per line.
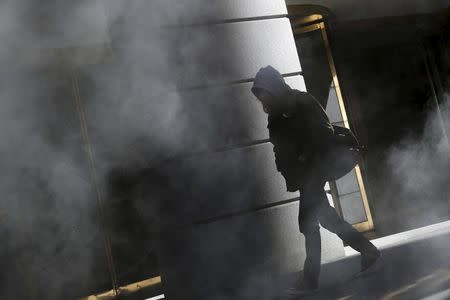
pixel 220 116
pixel 227 52
pixel 231 257
pixel 175 12
pixel 229 182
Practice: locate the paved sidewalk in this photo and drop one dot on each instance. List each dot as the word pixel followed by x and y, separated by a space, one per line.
pixel 416 265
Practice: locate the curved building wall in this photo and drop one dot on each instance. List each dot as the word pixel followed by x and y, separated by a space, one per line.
pixel 247 234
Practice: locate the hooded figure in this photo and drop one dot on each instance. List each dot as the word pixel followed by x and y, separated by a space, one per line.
pixel 308 152
pixel 304 140
pixel 269 79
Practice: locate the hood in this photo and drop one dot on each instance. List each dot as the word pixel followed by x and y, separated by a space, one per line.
pixel 269 79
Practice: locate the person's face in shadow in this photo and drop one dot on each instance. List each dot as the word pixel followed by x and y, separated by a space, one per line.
pixel 267 100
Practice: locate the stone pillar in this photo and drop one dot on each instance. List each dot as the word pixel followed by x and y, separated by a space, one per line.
pixel 246 234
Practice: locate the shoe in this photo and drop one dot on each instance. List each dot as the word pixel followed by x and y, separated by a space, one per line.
pixel 370 262
pixel 368 259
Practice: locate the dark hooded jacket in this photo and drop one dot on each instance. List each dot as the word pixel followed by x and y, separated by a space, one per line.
pixel 302 135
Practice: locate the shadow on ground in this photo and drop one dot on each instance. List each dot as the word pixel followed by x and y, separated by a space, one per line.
pixel 417 270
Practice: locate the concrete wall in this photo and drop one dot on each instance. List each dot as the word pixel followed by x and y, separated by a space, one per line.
pixel 250 236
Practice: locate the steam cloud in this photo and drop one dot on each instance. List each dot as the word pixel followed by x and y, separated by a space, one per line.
pixel 136 117
pixel 420 168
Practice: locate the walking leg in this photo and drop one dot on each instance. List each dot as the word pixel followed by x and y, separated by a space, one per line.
pixel 309 226
pixel 311 269
pixel 331 221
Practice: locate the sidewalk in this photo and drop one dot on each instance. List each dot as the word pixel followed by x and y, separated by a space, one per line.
pixel 416 265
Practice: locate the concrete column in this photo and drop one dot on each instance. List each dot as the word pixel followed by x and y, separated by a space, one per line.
pixel 246 235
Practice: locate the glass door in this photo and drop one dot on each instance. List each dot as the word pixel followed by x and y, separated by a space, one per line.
pixel 319 72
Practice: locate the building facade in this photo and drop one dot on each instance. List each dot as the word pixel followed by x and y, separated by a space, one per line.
pixel 145 109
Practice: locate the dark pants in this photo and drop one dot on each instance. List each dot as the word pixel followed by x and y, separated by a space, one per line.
pixel 315 209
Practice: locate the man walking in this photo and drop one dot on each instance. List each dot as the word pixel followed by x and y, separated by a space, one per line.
pixel 303 140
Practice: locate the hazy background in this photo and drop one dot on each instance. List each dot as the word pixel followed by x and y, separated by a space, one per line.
pixel 131 97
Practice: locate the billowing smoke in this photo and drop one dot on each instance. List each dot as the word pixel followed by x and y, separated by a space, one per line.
pixel 420 169
pixel 123 70
pixel 127 72
pixel 46 210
